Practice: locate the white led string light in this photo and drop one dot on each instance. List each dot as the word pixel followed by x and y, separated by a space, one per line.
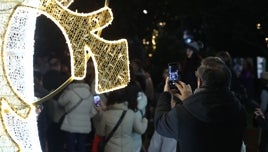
pixel 18 125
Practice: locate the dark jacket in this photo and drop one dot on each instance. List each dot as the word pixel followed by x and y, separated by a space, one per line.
pixel 208 121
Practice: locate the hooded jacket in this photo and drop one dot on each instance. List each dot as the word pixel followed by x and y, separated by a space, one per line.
pixel 142 103
pixel 208 121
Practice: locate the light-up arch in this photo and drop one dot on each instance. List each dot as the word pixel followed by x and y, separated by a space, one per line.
pixel 18 129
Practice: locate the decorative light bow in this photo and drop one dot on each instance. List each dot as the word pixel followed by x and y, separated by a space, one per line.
pixel 18 127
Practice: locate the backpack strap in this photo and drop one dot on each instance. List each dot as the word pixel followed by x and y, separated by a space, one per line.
pixel 115 127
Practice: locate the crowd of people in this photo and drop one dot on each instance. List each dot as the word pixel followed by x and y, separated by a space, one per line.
pixel 206 111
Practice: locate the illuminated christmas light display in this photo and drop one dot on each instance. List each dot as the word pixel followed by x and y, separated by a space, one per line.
pixel 18 127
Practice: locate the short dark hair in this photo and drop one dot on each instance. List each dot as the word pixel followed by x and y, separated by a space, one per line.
pixel 214 73
pixel 116 96
pixel 127 94
pixel 132 94
pixel 226 57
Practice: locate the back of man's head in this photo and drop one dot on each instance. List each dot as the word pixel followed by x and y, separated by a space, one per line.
pixel 214 74
pixel 226 57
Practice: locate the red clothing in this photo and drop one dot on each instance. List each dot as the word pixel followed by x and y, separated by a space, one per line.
pixel 96 142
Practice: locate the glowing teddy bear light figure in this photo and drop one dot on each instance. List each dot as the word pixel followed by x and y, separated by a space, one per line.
pixel 18 129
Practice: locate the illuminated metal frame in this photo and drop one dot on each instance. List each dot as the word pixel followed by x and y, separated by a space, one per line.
pixel 18 127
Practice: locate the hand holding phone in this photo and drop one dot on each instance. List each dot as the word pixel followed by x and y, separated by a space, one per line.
pixel 97 100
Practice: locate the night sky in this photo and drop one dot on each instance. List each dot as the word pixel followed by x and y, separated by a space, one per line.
pixel 226 24
pixel 220 24
pixel 229 25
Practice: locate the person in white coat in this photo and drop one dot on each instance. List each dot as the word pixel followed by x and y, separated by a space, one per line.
pixel 122 139
pixel 77 124
pixel 138 104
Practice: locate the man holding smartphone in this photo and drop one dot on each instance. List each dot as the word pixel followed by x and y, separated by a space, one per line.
pixel 211 119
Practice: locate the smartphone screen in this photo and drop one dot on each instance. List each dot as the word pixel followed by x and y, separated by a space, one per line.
pixel 173 71
pixel 97 100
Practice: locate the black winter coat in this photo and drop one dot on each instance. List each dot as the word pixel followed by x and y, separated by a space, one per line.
pixel 208 121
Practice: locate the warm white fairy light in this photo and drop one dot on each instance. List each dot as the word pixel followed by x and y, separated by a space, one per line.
pixel 111 57
pixel 18 125
pixel 18 116
pixel 154 37
pixel 258 26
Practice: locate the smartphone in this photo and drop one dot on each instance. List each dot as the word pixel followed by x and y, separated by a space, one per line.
pixel 173 71
pixel 97 100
